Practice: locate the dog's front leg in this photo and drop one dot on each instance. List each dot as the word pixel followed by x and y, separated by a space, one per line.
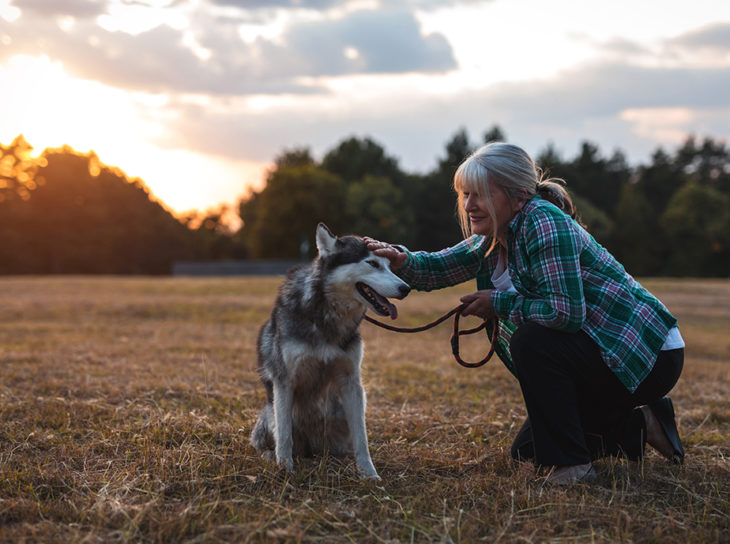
pixel 353 402
pixel 283 396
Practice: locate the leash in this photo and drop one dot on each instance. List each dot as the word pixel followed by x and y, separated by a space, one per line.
pixel 456 312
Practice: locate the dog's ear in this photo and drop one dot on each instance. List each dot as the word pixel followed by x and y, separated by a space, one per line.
pixel 325 240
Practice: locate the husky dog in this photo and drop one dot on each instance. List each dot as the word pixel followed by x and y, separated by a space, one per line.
pixel 310 350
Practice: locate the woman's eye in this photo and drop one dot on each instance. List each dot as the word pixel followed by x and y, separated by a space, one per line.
pixel 374 264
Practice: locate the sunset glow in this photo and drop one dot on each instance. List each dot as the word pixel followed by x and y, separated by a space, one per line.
pixel 197 98
pixel 51 109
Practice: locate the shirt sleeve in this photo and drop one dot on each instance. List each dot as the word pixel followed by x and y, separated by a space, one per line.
pixel 552 252
pixel 427 271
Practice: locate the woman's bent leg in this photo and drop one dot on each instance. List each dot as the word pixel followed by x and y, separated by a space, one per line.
pixel 577 407
pixel 548 366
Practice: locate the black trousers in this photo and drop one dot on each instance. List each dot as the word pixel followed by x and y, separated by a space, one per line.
pixel 577 409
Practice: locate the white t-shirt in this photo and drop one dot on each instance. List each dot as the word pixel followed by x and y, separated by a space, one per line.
pixel 502 281
pixel 501 278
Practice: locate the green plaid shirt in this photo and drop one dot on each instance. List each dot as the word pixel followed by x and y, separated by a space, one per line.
pixel 564 280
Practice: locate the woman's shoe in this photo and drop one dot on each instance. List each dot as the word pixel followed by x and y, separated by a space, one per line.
pixel 572 474
pixel 663 412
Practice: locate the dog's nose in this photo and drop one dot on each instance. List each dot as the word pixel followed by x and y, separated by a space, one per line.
pixel 403 290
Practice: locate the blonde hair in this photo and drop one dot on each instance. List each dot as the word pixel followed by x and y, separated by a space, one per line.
pixel 512 170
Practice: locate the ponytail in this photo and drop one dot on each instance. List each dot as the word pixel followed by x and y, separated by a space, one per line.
pixel 553 190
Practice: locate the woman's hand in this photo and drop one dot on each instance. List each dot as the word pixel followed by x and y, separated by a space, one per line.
pixel 383 249
pixel 479 304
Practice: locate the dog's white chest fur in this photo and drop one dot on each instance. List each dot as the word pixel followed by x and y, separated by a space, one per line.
pixel 320 363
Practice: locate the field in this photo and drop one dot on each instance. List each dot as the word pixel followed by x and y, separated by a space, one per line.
pixel 126 404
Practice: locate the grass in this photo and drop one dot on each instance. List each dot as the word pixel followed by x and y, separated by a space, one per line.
pixel 126 404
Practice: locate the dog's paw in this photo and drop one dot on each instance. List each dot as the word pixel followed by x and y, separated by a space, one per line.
pixel 286 463
pixel 370 475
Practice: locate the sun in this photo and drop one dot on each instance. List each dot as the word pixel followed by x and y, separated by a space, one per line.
pixel 51 108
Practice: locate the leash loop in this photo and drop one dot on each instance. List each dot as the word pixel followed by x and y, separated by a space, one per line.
pixel 456 312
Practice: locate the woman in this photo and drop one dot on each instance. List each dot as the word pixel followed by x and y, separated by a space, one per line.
pixel 594 352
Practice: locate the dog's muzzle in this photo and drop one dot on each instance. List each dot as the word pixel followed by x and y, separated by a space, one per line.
pixel 378 302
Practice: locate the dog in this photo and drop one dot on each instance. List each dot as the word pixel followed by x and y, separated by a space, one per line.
pixel 310 353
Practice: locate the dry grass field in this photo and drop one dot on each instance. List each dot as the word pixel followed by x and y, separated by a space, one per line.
pixel 126 404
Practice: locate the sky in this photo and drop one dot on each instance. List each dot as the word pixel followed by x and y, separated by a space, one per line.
pixel 198 97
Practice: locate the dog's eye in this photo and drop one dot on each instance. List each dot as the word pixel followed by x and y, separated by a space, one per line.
pixel 374 264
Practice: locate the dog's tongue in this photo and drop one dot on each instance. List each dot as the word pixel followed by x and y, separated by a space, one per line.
pixel 392 310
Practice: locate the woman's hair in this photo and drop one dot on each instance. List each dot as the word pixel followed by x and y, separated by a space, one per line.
pixel 510 168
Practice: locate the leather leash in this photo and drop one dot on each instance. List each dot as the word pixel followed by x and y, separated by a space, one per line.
pixel 456 312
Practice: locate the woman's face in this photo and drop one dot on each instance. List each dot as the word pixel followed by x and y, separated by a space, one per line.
pixel 478 211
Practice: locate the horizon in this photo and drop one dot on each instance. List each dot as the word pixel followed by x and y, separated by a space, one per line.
pixel 229 209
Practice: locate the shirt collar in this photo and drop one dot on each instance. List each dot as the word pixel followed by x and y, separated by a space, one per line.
pixel 513 225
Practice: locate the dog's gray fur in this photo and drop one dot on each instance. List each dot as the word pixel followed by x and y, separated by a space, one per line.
pixel 310 352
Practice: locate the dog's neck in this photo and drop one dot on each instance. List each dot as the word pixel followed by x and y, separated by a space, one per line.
pixel 349 311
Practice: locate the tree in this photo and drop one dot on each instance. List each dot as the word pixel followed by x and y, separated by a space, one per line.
pixel 597 179
pixel 697 221
pixel 658 181
pixel 635 224
pixel 433 200
pixel 299 156
pixel 216 240
pixel 355 158
pixel 457 149
pixel 280 220
pixel 17 182
pixel 84 217
pixel 598 223
pixel 376 207
pixel 706 164
pixel 713 169
pixel 596 220
pixel 494 134
pixel 17 170
pixel 551 163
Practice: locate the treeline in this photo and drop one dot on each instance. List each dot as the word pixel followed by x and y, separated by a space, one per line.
pixel 669 217
pixel 66 212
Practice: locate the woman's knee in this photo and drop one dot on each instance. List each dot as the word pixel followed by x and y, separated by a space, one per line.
pixel 662 378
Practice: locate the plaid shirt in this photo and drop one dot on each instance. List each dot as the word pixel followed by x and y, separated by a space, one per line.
pixel 564 280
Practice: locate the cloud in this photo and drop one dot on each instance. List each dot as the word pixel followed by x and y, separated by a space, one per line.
pixel 715 36
pixel 252 5
pixel 613 105
pixel 606 89
pixel 82 9
pixel 706 46
pixel 433 4
pixel 268 4
pixel 161 60
pixel 622 48
pixel 363 42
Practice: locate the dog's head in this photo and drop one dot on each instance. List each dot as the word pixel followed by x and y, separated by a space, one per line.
pixel 353 268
